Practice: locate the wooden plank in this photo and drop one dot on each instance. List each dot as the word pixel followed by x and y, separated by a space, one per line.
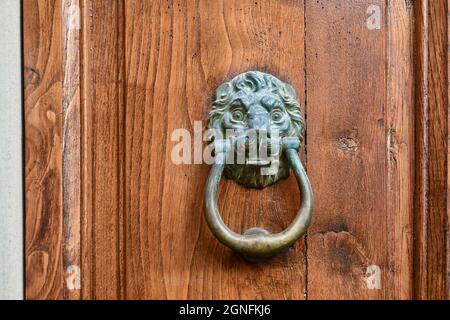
pixel 71 168
pixel 11 186
pixel 430 281
pixel 359 148
pixel 103 152
pixel 177 54
pixel 399 117
pixel 42 25
pixel 448 156
pixel 86 228
pixel 52 92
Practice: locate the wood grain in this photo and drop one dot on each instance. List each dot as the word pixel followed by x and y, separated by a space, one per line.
pixel 71 166
pixel 52 122
pixel 105 203
pixel 430 281
pixel 359 111
pixel 448 157
pixel 178 52
pixel 44 118
pixel 103 153
pixel 399 117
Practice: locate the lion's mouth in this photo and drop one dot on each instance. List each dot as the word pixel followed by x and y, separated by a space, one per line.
pixel 257 150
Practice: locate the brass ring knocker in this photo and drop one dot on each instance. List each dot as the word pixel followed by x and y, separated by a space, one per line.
pixel 257 101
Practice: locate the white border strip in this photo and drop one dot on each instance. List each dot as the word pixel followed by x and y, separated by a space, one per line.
pixel 11 198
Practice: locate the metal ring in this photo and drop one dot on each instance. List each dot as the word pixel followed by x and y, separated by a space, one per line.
pixel 256 243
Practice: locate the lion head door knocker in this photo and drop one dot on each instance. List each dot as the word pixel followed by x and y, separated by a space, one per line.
pixel 257 129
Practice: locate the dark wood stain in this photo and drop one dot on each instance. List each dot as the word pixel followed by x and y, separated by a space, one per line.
pixel 431 216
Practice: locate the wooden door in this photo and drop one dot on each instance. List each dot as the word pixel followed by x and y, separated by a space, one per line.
pixel 110 216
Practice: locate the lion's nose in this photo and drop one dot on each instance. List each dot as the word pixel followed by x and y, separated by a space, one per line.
pixel 258 118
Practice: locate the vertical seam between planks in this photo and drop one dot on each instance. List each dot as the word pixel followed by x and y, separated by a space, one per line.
pixel 421 206
pixel 82 76
pixel 121 108
pixel 123 151
pixel 387 118
pixel 87 232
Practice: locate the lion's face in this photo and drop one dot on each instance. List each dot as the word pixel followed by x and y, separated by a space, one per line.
pixel 256 104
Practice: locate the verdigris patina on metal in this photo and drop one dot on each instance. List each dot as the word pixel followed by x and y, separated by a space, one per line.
pixel 251 104
pixel 256 111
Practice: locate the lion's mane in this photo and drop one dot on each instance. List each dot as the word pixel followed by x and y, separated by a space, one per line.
pixel 251 83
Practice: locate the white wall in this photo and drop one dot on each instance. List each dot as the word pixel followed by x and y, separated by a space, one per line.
pixel 11 198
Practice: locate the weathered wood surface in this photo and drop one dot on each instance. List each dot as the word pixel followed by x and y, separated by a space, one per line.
pixel 44 118
pixel 448 156
pixel 147 69
pixel 71 134
pixel 360 147
pixel 431 221
pixel 104 90
pixel 109 216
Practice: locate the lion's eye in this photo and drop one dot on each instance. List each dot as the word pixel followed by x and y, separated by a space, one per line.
pixel 238 115
pixel 277 115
